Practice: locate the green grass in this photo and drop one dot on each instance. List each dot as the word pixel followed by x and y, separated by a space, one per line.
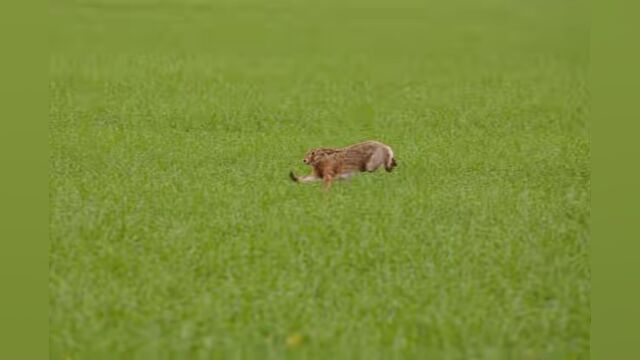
pixel 176 232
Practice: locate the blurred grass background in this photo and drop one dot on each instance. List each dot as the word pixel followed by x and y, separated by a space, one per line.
pixel 175 232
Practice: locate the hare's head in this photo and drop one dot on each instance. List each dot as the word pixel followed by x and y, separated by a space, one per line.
pixel 314 155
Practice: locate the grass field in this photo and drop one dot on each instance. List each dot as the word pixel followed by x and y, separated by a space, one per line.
pixel 176 232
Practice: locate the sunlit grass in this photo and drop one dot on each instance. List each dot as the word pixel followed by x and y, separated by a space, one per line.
pixel 176 232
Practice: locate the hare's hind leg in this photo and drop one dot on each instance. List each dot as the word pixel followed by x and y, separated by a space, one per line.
pixel 376 159
pixel 390 165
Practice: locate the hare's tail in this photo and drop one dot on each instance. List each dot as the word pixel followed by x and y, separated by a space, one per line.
pixel 390 160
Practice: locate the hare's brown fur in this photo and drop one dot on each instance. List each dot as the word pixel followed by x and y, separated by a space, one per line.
pixel 339 163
